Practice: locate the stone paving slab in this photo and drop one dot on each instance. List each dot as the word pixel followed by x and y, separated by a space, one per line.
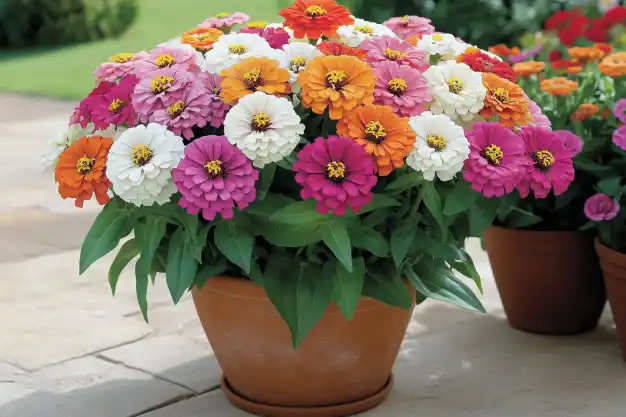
pixel 212 404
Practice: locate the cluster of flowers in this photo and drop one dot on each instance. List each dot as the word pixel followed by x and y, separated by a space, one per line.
pixel 201 114
pixel 570 25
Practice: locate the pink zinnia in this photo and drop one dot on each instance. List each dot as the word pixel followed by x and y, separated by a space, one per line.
pixel 276 37
pixel 539 119
pixel 496 159
pixel 83 112
pixel 167 57
pixel 214 176
pixel 410 25
pixel 619 137
pixel 337 172
pixel 573 143
pixel 619 110
pixel 552 166
pixel 224 20
pixel 159 89
pixel 601 207
pixel 115 107
pixel 386 48
pixel 119 66
pixel 403 88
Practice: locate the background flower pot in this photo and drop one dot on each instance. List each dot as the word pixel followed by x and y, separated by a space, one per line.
pixel 549 282
pixel 614 268
pixel 342 367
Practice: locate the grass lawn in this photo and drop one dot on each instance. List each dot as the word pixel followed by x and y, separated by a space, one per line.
pixel 67 72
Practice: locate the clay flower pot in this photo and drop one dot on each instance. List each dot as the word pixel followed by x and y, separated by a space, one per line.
pixel 342 367
pixel 614 268
pixel 549 282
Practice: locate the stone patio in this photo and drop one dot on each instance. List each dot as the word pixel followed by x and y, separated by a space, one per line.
pixel 69 349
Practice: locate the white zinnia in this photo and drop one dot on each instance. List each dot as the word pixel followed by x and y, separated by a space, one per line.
pixel 234 48
pixel 440 146
pixel 443 44
pixel 140 164
pixel 265 128
pixel 456 90
pixel 362 30
pixel 297 56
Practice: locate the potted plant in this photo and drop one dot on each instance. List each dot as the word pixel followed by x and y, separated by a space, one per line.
pixel 301 191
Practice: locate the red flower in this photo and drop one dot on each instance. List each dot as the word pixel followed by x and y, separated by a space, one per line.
pixel 615 15
pixel 481 62
pixel 561 64
pixel 314 18
pixel 569 25
pixel 604 47
pixel 338 49
pixel 555 55
pixel 598 31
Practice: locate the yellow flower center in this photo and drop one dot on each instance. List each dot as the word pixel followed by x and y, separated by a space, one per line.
pixel 455 85
pixel 141 155
pixel 259 24
pixel 84 165
pixel 336 79
pixel 336 171
pixel 297 63
pixel 237 48
pixel 397 85
pixel 176 109
pixel 544 159
pixel 315 11
pixel 164 60
pixel 501 95
pixel 392 54
pixel 253 78
pixel 437 37
pixel 261 122
pixel 122 58
pixel 493 154
pixel 405 17
pixel 216 91
pixel 364 29
pixel 214 168
pixel 375 131
pixel 436 141
pixel 161 83
pixel 222 15
pixel 116 105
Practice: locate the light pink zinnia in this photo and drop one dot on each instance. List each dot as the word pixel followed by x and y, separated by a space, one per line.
pixel 552 166
pixel 168 57
pixel 386 48
pixel 224 20
pixel 406 26
pixel 601 207
pixel 159 89
pixel 118 66
pixel 403 88
pixel 619 137
pixel 115 107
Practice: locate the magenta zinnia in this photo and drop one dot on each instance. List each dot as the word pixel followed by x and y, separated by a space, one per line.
pixel 552 166
pixel 403 88
pixel 115 107
pixel 337 173
pixel 84 111
pixel 601 207
pixel 213 177
pixel 496 161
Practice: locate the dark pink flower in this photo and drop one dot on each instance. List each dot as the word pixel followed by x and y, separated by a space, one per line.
pixel 619 110
pixel 115 107
pixel 337 173
pixel 386 48
pixel 276 37
pixel 406 26
pixel 619 137
pixel 213 177
pixel 403 88
pixel 601 207
pixel 83 112
pixel 572 142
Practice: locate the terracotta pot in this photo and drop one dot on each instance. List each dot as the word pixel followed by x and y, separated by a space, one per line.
pixel 614 268
pixel 342 367
pixel 549 282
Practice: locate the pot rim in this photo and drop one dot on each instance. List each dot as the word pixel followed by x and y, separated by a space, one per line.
pixel 544 232
pixel 609 253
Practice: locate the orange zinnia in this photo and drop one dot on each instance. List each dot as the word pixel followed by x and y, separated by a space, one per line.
pixel 503 50
pixel 506 100
pixel 339 83
pixel 201 39
pixel 314 18
pixel 81 170
pixel 585 111
pixel 574 70
pixel 559 86
pixel 254 74
pixel 614 65
pixel 585 54
pixel 414 38
pixel 604 47
pixel 383 134
pixel 525 69
pixel 338 49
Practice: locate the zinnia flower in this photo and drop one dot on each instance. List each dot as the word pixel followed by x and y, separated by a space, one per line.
pixel 526 54
pixel 539 119
pixel 83 112
pixel 362 30
pixel 573 143
pixel 214 176
pixel 403 88
pixel 601 207
pixel 159 90
pixel 140 164
pixel 604 47
pixel 614 65
pixel 275 37
pixel 234 48
pixel 619 137
pixel 254 74
pixel 115 107
pixel 552 166
pixel 496 160
pixel 265 128
pixel 528 68
pixel 479 61
pixel 585 111
pixel 168 56
pixel 338 49
pixel 297 56
pixel 385 48
pixel 315 18
pixel 569 25
pixel 559 86
pixel 337 173
pixel 504 51
pixel 505 100
pixel 81 170
pixel 585 54
pixel 383 134
pixel 443 44
pixel 441 147
pixel 225 20
pixel 456 89
pixel 406 26
pixel 201 39
pixel 620 110
pixel 118 66
pixel 339 83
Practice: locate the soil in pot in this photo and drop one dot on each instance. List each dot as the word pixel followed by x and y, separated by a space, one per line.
pixel 342 367
pixel 549 282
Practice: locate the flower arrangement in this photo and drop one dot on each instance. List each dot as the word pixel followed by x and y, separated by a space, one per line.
pixel 320 170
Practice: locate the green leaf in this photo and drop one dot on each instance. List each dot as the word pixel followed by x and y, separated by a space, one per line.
pixel 149 236
pixel 113 223
pixel 407 179
pixel 370 240
pixel 610 186
pixel 460 198
pixel 465 265
pixel 256 275
pixel 265 181
pixel 401 240
pixel 380 200
pixel 346 287
pixel 200 241
pixel 299 213
pixel 268 206
pixel 127 252
pixel 181 268
pixel 432 201
pixel 291 236
pixel 235 242
pixel 518 218
pixel 377 217
pixel 141 289
pixel 335 235
pixel 387 289
pixel 482 214
pixel 209 271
